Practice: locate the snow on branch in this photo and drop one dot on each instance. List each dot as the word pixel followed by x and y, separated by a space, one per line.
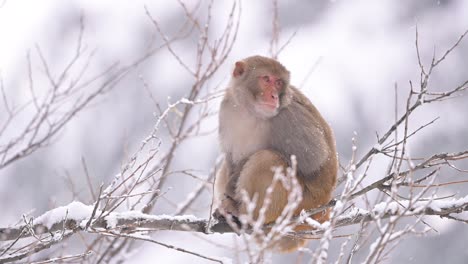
pixel 76 216
pixel 385 210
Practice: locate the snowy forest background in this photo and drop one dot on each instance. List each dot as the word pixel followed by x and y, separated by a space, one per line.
pixel 355 60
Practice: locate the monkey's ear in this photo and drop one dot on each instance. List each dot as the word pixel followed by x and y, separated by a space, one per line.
pixel 239 68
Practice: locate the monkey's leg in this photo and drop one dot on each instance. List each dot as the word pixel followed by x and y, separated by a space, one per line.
pixel 255 178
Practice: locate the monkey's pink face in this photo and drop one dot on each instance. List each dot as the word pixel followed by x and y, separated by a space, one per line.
pixel 268 100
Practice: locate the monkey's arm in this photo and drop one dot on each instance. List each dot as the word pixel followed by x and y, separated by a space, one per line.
pixel 224 192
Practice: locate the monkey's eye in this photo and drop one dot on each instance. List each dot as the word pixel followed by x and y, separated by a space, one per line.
pixel 279 83
pixel 266 78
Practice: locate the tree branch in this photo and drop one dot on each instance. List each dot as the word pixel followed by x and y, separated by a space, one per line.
pixel 134 221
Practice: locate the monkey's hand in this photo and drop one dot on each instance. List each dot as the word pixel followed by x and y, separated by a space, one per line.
pixel 228 209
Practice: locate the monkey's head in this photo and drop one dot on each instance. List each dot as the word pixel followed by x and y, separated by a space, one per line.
pixel 261 85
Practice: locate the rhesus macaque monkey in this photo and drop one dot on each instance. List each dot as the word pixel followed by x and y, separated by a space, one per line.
pixel 264 120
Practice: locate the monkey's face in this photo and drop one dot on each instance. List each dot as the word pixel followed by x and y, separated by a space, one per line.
pixel 267 91
pixel 261 87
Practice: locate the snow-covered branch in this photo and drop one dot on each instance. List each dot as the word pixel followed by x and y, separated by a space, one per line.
pixel 76 217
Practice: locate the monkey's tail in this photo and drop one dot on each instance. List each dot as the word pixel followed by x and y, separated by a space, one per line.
pixel 289 244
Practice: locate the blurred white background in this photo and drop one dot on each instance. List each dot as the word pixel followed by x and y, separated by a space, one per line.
pixel 357 51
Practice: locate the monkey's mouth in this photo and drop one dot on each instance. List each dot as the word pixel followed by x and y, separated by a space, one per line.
pixel 267 109
pixel 271 106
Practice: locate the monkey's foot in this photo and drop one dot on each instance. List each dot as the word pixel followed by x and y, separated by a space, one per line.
pixel 228 211
pixel 227 218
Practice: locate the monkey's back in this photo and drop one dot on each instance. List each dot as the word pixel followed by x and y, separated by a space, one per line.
pixel 299 129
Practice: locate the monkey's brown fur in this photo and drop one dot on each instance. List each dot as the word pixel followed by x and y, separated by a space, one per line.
pixel 254 143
